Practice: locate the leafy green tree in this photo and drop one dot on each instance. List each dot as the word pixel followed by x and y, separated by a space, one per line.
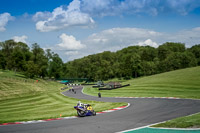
pixel 2 61
pixel 136 65
pixel 148 68
pixel 7 49
pixel 40 59
pixel 148 53
pixel 126 66
pixel 22 46
pixel 188 60
pixel 55 66
pixel 33 69
pixel 18 60
pixel 196 51
pixel 37 52
pixel 179 60
pixel 14 54
pixel 168 48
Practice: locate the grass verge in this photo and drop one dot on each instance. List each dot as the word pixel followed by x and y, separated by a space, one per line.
pixel 24 99
pixel 192 121
pixel 180 83
pixel 44 106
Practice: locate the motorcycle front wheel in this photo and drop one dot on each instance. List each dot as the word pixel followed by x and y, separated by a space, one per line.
pixel 81 113
pixel 94 113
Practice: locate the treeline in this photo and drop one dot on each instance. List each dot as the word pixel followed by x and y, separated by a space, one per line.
pixel 34 62
pixel 134 61
pixel 130 62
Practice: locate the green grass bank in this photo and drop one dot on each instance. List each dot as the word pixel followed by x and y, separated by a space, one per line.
pixel 192 121
pixel 184 83
pixel 24 99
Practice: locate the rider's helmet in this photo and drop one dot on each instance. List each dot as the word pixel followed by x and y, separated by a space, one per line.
pixel 80 104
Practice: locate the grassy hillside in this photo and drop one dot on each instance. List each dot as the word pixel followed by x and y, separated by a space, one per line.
pixel 183 83
pixel 24 99
pixel 17 85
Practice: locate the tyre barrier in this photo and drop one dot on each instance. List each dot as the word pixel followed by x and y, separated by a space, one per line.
pixel 74 84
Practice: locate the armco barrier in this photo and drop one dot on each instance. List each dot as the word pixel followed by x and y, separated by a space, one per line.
pixel 88 84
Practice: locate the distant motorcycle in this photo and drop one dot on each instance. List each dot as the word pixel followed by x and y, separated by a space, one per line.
pixel 84 110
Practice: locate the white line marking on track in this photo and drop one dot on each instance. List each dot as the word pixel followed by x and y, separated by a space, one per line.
pixel 175 128
pixel 133 129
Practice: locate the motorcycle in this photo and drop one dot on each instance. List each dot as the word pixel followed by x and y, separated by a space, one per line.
pixel 84 110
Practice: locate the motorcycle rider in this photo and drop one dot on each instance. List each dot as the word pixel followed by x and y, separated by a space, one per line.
pixel 84 109
pixel 82 105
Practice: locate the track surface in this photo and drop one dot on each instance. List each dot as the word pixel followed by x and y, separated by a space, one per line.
pixel 141 112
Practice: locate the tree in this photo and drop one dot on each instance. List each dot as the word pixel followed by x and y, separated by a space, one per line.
pixel 168 48
pixel 7 49
pixel 34 63
pixel 2 61
pixel 148 53
pixel 126 66
pixel 196 51
pixel 136 65
pixel 55 66
pixel 179 60
pixel 188 60
pixel 148 68
pixel 15 54
pixel 37 52
pixel 18 60
pixel 40 59
pixel 32 69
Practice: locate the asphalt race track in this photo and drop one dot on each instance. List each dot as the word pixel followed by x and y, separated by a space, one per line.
pixel 141 112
